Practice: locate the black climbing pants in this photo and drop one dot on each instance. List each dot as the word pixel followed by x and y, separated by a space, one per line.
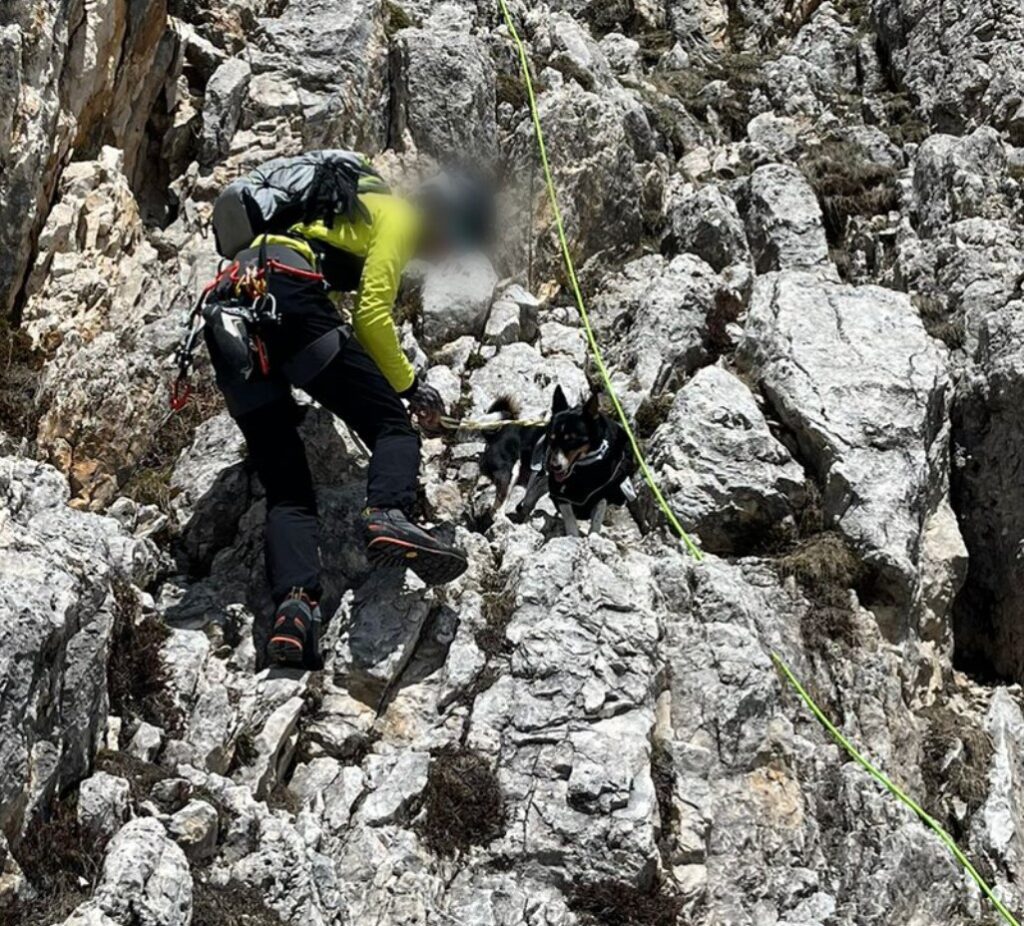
pixel 343 379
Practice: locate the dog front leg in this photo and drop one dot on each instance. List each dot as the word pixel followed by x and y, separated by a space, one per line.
pixel 535 488
pixel 597 516
pixel 572 528
pixel 636 509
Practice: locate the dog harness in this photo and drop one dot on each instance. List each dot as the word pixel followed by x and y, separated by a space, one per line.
pixel 618 477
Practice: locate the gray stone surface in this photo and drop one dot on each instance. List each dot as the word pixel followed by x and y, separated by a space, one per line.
pixel 728 479
pixel 854 376
pixel 622 696
pixel 783 219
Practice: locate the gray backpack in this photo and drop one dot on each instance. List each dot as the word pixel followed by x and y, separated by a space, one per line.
pixel 317 185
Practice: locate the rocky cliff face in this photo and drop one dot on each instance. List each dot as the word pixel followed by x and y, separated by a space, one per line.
pixel 799 226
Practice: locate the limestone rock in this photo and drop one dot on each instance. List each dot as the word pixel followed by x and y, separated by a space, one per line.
pixel 783 218
pixel 727 477
pixel 852 373
pixel 102 804
pixel 652 320
pixel 456 298
pixel 444 93
pixel 705 222
pixel 57 569
pixel 222 106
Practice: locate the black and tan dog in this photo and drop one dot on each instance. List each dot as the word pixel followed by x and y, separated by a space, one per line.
pixel 581 459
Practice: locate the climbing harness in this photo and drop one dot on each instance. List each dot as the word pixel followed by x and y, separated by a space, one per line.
pixel 595 350
pixel 894 789
pixel 233 307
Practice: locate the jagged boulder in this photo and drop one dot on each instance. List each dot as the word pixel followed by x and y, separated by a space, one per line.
pixel 444 92
pixel 56 570
pixel 989 442
pixel 222 107
pixel 324 69
pixel 965 69
pixel 602 206
pixel 784 223
pixel 704 221
pixel 145 880
pixel 70 78
pixel 851 372
pixel 652 321
pixel 726 476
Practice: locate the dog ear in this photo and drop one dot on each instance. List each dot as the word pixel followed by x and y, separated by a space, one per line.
pixel 592 408
pixel 559 403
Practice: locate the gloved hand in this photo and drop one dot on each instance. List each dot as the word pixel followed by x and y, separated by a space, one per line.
pixel 425 403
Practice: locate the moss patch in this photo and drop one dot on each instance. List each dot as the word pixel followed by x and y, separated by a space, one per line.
pixel 610 903
pixel 463 802
pixel 141 776
pixel 19 375
pixel 663 774
pixel 245 751
pixel 903 124
pixel 137 678
pixel 509 88
pixel 725 86
pixel 395 19
pixel 652 413
pixel 725 312
pixel 848 184
pixel 938 322
pixel 235 903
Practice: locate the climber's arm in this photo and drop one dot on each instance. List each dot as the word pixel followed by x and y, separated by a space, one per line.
pixel 392 239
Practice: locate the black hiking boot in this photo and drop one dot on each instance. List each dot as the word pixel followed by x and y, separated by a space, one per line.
pixel 295 636
pixel 393 540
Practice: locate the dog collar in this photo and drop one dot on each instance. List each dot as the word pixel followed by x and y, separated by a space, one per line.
pixel 593 457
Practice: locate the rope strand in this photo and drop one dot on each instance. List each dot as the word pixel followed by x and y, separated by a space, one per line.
pixel 570 267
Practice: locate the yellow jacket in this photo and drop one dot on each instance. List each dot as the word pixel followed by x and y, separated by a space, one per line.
pixel 387 244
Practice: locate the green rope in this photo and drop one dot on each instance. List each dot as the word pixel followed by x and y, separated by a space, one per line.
pixel 898 793
pixel 574 282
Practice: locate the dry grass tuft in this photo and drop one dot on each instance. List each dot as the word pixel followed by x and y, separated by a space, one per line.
pixel 56 855
pixel 848 183
pixel 955 764
pixel 826 568
pixel 19 376
pixel 609 903
pixel 136 675
pixel 463 802
pixel 235 904
pixel 148 481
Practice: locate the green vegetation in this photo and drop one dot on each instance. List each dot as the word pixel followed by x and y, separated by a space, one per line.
pixel 149 481
pixel 499 606
pixel 56 856
pixel 395 19
pixel 956 755
pixel 235 903
pixel 826 568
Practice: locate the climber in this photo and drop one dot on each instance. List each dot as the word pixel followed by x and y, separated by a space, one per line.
pixel 293 230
